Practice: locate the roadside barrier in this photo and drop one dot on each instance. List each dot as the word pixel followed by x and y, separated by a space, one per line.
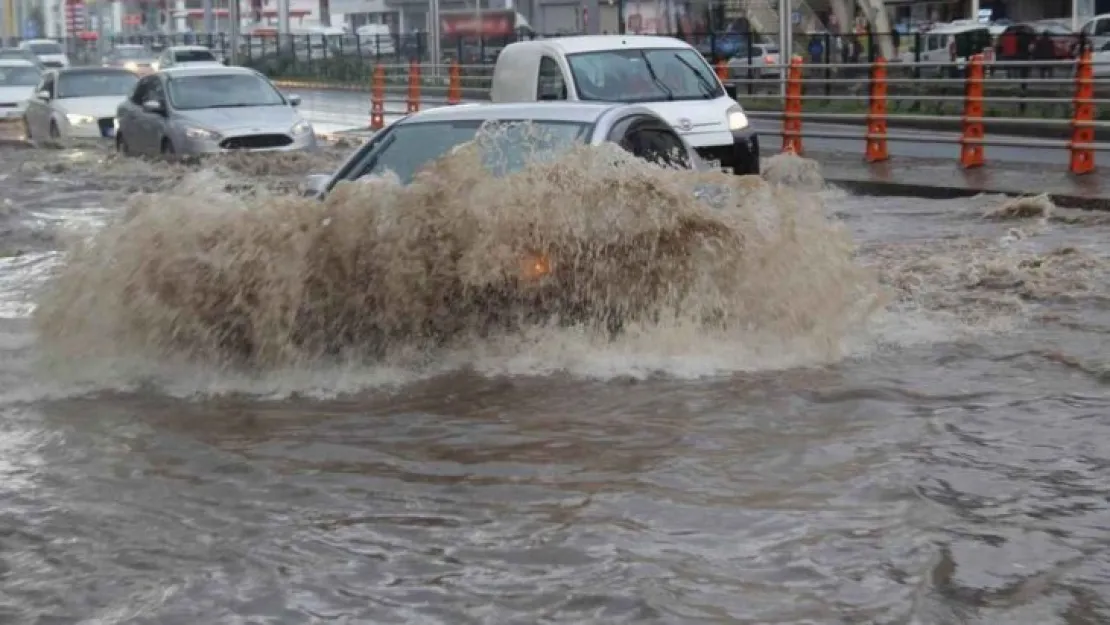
pixel 984 104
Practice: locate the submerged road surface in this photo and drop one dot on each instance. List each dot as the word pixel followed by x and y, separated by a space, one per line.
pixel 353 107
pixel 952 467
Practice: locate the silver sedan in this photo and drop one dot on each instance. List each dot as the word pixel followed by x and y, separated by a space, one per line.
pixel 207 110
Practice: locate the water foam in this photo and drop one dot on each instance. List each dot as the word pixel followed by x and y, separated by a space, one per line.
pixel 425 278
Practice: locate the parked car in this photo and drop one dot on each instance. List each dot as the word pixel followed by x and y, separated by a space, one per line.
pixel 18 79
pixel 77 102
pixel 210 109
pixel 50 52
pixel 763 62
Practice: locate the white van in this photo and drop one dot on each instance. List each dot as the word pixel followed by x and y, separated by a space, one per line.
pixel 1097 31
pixel 665 74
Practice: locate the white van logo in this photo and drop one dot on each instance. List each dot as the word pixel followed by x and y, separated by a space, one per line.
pixel 685 124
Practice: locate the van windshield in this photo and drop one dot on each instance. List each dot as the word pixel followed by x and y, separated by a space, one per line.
pixel 643 75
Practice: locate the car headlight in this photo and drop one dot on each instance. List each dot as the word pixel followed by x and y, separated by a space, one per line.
pixel 130 65
pixel 301 127
pixel 201 134
pixel 155 65
pixel 78 120
pixel 737 120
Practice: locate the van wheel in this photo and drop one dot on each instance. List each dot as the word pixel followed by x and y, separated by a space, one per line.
pixel 55 134
pixel 167 149
pixel 121 145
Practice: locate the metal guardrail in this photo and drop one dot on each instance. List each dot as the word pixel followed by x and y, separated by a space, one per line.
pixel 972 96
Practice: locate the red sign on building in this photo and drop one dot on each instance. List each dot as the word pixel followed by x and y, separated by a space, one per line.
pixel 467 24
pixel 76 17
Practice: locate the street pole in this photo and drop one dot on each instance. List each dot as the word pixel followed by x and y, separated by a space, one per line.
pixel 1074 15
pixel 786 55
pixel 234 19
pixel 209 17
pixel 974 10
pixel 434 37
pixel 283 18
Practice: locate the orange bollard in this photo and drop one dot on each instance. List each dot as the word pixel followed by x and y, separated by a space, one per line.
pixel 971 140
pixel 412 103
pixel 876 114
pixel 454 89
pixel 792 112
pixel 1082 133
pixel 722 70
pixel 377 99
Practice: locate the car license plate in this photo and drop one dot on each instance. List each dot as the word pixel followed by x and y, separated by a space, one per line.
pixel 108 132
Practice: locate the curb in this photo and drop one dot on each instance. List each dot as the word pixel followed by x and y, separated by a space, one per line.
pixel 931 192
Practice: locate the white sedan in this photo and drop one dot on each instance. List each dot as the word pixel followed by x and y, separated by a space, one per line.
pixel 17 82
pixel 77 103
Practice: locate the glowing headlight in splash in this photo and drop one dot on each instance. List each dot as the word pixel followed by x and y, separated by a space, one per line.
pixel 535 266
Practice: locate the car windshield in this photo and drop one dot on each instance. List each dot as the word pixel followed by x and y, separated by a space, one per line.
pixel 411 147
pixel 19 76
pixel 91 84
pixel 12 53
pixel 132 53
pixel 222 91
pixel 643 75
pixel 45 48
pixel 190 56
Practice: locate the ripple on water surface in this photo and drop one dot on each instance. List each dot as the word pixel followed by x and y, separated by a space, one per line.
pixel 938 458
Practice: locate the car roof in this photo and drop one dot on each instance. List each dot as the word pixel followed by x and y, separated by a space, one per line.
pixel 205 48
pixel 583 112
pixel 129 46
pixel 17 63
pixel 957 27
pixel 209 70
pixel 598 43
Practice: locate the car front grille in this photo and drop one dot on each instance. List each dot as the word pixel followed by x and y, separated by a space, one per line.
pixel 256 142
pixel 53 64
pixel 9 105
pixel 724 155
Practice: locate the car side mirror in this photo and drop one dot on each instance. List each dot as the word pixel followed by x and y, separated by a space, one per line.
pixel 43 95
pixel 153 106
pixel 315 185
pixel 294 100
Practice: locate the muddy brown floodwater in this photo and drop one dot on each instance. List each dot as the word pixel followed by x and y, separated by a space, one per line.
pixel 943 459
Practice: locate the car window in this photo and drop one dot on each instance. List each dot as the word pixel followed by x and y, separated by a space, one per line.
pixel 48 84
pixel 412 147
pixel 131 53
pixel 1102 27
pixel 139 95
pixel 156 91
pixel 192 56
pixel 89 84
pixel 45 48
pixel 19 76
pixel 551 84
pixel 222 90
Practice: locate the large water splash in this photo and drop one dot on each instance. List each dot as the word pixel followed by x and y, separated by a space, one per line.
pixel 594 246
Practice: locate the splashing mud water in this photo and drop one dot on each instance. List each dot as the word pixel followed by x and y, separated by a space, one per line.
pixel 379 271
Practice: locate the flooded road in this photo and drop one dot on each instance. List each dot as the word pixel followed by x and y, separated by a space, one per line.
pixel 949 466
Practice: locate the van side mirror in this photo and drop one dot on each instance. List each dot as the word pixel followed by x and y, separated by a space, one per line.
pixel 43 95
pixel 294 100
pixel 153 106
pixel 315 185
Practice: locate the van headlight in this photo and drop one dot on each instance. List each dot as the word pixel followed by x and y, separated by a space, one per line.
pixel 737 120
pixel 78 120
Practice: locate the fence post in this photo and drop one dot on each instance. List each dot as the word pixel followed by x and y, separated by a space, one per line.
pixel 377 99
pixel 454 89
pixel 876 114
pixel 971 140
pixel 412 103
pixel 1082 134
pixel 792 111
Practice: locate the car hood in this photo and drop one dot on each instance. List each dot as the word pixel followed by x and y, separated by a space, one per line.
pixel 254 119
pixel 16 94
pixel 100 106
pixel 199 63
pixel 700 115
